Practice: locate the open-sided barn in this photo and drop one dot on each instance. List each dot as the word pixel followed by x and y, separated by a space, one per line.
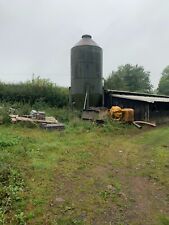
pixel 147 107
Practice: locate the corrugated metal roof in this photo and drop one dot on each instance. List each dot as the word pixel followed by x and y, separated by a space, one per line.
pixel 134 93
pixel 149 99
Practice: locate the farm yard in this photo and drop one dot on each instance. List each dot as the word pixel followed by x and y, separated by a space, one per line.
pixel 85 175
pixel 84 113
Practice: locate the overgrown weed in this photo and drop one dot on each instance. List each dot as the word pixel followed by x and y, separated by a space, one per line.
pixel 11 188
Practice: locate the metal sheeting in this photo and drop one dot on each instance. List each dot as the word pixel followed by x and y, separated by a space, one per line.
pixel 150 99
pixel 86 73
pixel 86 40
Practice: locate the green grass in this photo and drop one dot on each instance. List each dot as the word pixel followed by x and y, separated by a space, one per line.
pixel 85 175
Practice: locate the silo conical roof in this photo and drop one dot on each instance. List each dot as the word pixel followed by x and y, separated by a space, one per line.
pixel 86 40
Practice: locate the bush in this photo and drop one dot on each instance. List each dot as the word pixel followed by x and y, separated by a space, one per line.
pixel 4 115
pixel 34 91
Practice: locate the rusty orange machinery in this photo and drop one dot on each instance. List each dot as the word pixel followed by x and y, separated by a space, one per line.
pixel 126 114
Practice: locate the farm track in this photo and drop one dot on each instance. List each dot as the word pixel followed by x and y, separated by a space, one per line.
pixel 92 176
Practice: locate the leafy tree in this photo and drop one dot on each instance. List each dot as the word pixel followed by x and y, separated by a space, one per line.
pixel 163 86
pixel 129 78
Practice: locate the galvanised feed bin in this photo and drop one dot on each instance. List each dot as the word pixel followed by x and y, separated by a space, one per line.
pixel 86 73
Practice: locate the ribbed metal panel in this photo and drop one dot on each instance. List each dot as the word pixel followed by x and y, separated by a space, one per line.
pixel 86 72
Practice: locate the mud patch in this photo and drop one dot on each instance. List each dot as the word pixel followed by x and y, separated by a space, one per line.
pixel 148 201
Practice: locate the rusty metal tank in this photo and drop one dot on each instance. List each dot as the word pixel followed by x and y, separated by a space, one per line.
pixel 86 73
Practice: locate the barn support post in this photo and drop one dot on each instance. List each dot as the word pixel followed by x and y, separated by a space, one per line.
pixel 147 112
pixel 70 98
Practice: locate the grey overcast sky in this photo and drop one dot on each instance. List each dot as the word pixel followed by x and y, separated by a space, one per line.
pixel 36 36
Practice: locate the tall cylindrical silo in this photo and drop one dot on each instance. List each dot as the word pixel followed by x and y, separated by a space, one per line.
pixel 86 73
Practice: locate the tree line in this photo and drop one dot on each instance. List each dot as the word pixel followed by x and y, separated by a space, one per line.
pixel 128 77
pixel 33 91
pixel 134 78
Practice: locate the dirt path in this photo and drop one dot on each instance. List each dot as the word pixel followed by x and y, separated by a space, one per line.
pixel 113 187
pixel 149 201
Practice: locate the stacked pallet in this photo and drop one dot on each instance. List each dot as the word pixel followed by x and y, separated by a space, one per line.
pixel 48 123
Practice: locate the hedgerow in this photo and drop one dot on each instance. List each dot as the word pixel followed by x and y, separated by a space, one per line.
pixel 35 90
